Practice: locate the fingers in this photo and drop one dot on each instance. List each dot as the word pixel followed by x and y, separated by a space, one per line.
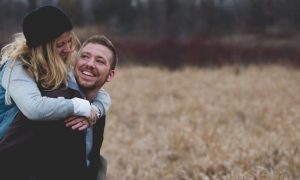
pixel 83 125
pixel 93 117
pixel 79 123
pixel 71 118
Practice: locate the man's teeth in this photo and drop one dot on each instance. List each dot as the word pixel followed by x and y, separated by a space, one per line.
pixel 87 73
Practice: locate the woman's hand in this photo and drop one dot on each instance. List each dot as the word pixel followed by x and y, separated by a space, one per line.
pixel 93 117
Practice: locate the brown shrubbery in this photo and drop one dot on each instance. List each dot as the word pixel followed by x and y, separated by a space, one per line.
pixel 205 52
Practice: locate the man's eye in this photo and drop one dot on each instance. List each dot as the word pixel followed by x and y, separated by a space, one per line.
pixel 100 61
pixel 84 56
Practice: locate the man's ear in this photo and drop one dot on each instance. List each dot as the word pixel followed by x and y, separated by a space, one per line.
pixel 110 76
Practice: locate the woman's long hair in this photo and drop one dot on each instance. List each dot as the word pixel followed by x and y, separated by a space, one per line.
pixel 43 62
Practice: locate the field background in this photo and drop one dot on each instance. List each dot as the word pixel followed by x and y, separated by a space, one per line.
pixel 233 122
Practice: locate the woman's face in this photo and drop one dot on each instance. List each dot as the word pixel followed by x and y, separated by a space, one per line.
pixel 64 45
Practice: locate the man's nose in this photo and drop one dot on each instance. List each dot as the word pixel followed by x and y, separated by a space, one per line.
pixel 91 62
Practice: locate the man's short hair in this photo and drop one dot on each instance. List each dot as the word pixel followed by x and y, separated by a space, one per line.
pixel 103 40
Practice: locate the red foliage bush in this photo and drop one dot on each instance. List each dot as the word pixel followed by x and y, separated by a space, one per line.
pixel 176 53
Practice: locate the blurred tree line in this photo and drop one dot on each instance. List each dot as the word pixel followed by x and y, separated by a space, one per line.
pixel 180 18
pixel 175 33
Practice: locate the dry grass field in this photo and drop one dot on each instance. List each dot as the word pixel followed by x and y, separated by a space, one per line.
pixel 229 123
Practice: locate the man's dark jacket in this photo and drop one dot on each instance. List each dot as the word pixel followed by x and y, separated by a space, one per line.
pixel 48 149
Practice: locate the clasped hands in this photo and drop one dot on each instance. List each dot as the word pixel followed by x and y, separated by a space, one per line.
pixel 82 123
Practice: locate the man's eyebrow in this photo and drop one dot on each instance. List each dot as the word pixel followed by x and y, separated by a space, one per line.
pixel 85 52
pixel 100 56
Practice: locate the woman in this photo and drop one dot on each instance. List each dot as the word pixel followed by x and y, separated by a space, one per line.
pixel 39 59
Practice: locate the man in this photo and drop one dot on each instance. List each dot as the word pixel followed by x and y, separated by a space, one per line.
pixel 37 39
pixel 94 67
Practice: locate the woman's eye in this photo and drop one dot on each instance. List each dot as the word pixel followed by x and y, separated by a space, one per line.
pixel 59 45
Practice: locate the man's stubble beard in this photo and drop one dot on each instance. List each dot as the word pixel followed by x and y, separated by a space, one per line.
pixel 89 87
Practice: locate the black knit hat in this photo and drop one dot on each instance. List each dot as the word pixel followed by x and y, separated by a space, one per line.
pixel 44 24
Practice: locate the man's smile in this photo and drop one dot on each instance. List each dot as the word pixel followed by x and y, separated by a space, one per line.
pixel 87 73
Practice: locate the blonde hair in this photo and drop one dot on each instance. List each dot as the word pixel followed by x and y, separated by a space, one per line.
pixel 43 62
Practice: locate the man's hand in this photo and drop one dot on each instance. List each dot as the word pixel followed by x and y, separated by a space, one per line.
pixel 77 122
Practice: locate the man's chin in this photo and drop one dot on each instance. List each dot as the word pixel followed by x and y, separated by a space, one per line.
pixel 86 85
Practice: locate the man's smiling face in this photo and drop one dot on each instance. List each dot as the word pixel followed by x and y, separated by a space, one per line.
pixel 92 67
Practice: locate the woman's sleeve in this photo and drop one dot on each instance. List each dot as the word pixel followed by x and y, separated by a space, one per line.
pixel 102 101
pixel 25 93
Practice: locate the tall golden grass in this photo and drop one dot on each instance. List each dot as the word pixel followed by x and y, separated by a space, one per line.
pixel 229 123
